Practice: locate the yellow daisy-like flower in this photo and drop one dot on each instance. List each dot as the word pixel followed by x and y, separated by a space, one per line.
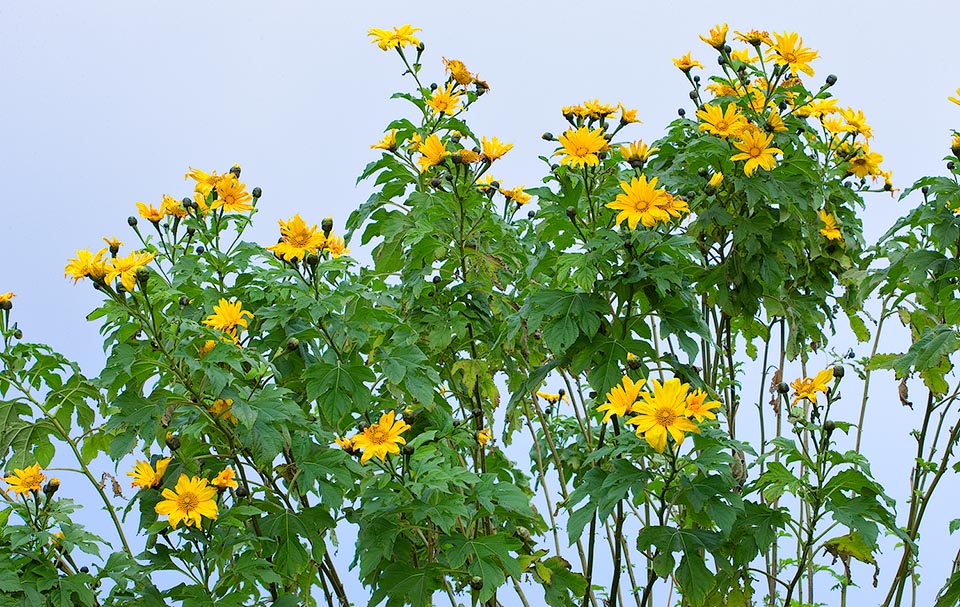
pixel 637 153
pixel 232 195
pixel 6 297
pixel 517 194
pixel 621 398
pixel 205 181
pixel 699 407
pixel 685 63
pixel 207 347
pixel 742 55
pixel 717 37
pixel 466 156
pixel 191 499
pixel 775 121
pixel 856 122
pixel 336 246
pixel 145 476
pixel 675 206
pixel 807 387
pixel 113 243
pixel 126 268
pixel 865 162
pixel 445 100
pixel 829 230
pixel 399 37
pixel 171 206
pixel 598 110
pixel 221 408
pixel 27 479
pixel 628 116
pixel 662 412
pixel 150 213
pixel 87 264
pixel 722 123
pixel 574 111
pixel 789 50
pixel 381 438
pixel 432 151
pixel 641 202
pixel 227 316
pixel 581 146
pixel 552 398
pixel 824 107
pixel 754 147
pixel 389 141
pixel 716 179
pixel 297 239
pixel 458 71
pixel 754 37
pixel 955 99
pixel 494 149
pixel 484 436
pixel 226 479
pixel 345 443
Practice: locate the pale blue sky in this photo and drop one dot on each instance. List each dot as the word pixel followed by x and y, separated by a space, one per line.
pixel 107 103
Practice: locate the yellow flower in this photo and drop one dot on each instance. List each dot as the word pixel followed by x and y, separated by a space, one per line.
pixel 297 240
pixel 485 183
pixel 126 268
pixel 227 316
pixel 232 195
pixel 833 125
pixel 808 387
pixel 113 243
pixel 381 438
pixel 955 99
pixel 663 411
pixel 484 436
pixel 856 122
pixel 775 121
pixel 699 407
pixel 516 194
pixel 675 205
pixel 149 212
pixel 754 37
pixel 189 501
pixel 789 50
pixel 598 110
pixel 621 398
pixel 722 123
pixel 865 162
pixel 345 443
pixel 627 116
pixel 494 149
pixel 637 153
pixel 581 147
pixel 466 156
pixel 27 479
pixel 829 229
pixel 207 347
pixel 823 107
pixel 336 246
pixel 205 181
pixel 717 37
pixel 221 408
pixel 6 297
pixel 552 398
pixel 172 206
pixel 743 55
pixel 225 479
pixel 574 110
pixel 716 179
pixel 445 100
pixel 685 63
pixel 641 202
pixel 399 37
pixel 458 71
pixel 389 141
pixel 432 151
pixel 86 264
pixel 754 147
pixel 144 475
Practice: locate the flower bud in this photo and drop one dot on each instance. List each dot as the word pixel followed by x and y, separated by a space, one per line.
pixel 924 190
pixel 200 250
pixel 696 79
pixel 235 169
pixel 682 112
pixel 571 212
pixel 51 487
pixel 548 411
pixel 184 300
pixel 435 183
pixel 838 371
pixel 188 203
pixel 436 279
pixel 143 275
pixel 633 363
pixel 312 259
pixel 950 165
pixel 84 569
pixel 548 136
pixel 456 157
pixel 531 214
pixel 693 95
pixel 6 305
pixel 829 426
pixel 362 426
pixel 783 388
pixel 173 442
pixel 831 79
pixel 191 231
pixel 477 412
pixel 293 343
pixel 703 172
pixel 132 221
pixel 408 449
pixel 476 582
pixel 257 192
pixel 17 334
pixel 241 491
pixel 561 392
pixel 433 86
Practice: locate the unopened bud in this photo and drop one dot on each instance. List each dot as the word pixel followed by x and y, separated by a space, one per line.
pixel 408 449
pixel 51 487
pixel 435 182
pixel 143 275
pixel 362 426
pixel 235 169
pixel 831 79
pixel 184 300
pixel 633 363
pixel 257 192
pixel 571 212
pixel 950 165
pixel 436 279
pixel 783 388
pixel 18 334
pixel 681 112
pixel 477 412
pixel 132 221
pixel 829 426
pixel 531 214
pixel 476 582
pixel 200 250
pixel 703 172
pixel 293 343
pixel 241 491
pixel 173 442
pixel 548 136
pixel 838 371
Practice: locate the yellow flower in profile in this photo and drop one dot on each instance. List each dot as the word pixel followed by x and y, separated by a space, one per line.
pixel 399 37
pixel 640 202
pixel 856 122
pixel 699 407
pixel 389 141
pixel 113 243
pixel 86 265
pixel 754 146
pixel 807 387
pixel 675 206
pixel 722 123
pixel 598 110
pixel 345 443
pixel 717 37
pixel 628 116
pixel 621 398
pixel 865 162
pixel 829 230
pixel 27 479
pixel 221 408
pixel 6 297
pixel 232 195
pixel 574 110
pixel 637 153
pixel 145 476
pixel 189 501
pixel 445 100
pixel 517 194
pixel 150 213
pixel 484 436
pixel 432 151
pixel 226 479
pixel 466 156
pixel 716 179
pixel 552 398
pixel 381 438
pixel 833 125
pixel 227 316
pixel 754 37
pixel 661 412
pixel 581 146
pixel 685 63
pixel 789 50
pixel 824 107
pixel 743 55
pixel 126 268
pixel 297 239
pixel 494 149
pixel 205 181
pixel 207 347
pixel 955 99
pixel 336 246
pixel 171 206
pixel 775 121
pixel 458 71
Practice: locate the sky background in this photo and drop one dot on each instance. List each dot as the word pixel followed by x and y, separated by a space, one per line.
pixel 108 103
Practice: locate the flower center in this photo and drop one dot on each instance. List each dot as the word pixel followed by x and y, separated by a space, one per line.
pixel 755 152
pixel 665 417
pixel 378 435
pixel 187 502
pixel 581 151
pixel 790 58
